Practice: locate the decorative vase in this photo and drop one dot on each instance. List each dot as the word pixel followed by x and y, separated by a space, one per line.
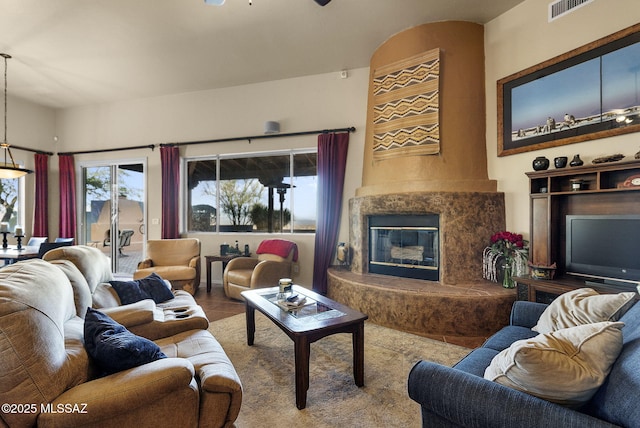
pixel 576 161
pixel 560 162
pixel 507 279
pixel 540 163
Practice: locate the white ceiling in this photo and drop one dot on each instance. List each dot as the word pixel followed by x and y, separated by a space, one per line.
pixel 80 52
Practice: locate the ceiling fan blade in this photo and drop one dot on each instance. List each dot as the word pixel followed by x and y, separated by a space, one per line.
pixel 322 2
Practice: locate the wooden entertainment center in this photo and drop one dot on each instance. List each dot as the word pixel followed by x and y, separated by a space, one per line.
pixel 605 188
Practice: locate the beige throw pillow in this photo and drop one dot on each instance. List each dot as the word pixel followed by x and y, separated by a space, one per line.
pixel 583 306
pixel 565 367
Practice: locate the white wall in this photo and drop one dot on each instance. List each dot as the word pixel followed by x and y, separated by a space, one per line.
pixel 521 38
pixel 303 104
pixel 31 126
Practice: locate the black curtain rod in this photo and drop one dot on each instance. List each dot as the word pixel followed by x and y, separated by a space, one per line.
pixel 259 137
pixel 42 152
pixel 150 146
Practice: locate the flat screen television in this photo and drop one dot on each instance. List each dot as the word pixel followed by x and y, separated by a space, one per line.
pixel 603 248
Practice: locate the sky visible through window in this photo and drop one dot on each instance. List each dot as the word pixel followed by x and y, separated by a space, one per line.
pixel 304 198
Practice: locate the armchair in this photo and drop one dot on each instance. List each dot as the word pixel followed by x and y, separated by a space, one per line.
pixel 35 241
pixel 176 260
pixel 275 261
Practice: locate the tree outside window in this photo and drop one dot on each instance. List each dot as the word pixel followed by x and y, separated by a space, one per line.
pixel 273 193
pixel 9 201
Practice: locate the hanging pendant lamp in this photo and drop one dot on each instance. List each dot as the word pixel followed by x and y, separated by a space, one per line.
pixel 8 168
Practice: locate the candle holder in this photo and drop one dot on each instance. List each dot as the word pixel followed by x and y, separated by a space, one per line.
pixel 19 238
pixel 5 244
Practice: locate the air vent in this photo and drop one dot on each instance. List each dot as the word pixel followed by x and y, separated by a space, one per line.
pixel 560 8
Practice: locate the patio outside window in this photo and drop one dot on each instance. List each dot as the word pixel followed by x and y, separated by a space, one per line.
pixel 265 193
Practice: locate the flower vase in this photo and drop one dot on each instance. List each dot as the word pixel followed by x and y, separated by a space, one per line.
pixel 507 280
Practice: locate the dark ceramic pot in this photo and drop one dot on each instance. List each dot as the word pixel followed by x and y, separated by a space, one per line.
pixel 540 163
pixel 576 161
pixel 560 162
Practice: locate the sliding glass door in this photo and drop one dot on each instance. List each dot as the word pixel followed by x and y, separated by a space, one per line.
pixel 113 216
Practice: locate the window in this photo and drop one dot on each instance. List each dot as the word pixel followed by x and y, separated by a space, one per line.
pixel 268 193
pixel 11 202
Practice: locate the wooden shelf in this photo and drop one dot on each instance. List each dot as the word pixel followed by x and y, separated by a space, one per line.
pixel 552 199
pixel 597 178
pixel 544 291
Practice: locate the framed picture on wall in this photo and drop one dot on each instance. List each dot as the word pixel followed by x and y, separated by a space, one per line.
pixel 589 93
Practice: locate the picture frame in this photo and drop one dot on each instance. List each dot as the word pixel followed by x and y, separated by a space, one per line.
pixel 588 93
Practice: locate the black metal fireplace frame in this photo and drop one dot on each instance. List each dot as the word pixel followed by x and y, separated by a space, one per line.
pixel 426 220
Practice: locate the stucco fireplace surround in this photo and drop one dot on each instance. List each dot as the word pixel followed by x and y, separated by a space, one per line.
pixel 458 306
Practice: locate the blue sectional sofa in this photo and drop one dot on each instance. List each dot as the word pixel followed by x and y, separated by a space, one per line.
pixel 461 397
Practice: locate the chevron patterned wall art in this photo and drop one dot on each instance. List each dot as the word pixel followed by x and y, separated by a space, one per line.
pixel 406 107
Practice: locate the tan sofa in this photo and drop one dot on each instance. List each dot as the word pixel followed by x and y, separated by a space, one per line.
pixel 177 260
pixel 144 318
pixel 245 273
pixel 45 367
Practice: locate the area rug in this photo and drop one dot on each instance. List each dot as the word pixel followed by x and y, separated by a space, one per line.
pixel 266 370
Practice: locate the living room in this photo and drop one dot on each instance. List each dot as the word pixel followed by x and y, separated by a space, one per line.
pixel 515 40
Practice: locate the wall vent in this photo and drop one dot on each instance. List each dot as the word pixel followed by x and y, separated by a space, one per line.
pixel 560 8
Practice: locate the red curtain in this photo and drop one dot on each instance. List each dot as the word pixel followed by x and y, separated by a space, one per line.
pixel 41 205
pixel 332 161
pixel 170 165
pixel 67 227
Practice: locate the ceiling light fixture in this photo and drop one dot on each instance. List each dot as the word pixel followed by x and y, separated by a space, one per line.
pixel 9 170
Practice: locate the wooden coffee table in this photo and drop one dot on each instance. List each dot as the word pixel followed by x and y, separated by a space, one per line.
pixel 307 325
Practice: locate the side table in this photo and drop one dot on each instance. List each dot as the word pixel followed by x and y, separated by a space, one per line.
pixel 224 259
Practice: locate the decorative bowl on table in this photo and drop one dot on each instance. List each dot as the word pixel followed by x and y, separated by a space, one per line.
pixel 542 272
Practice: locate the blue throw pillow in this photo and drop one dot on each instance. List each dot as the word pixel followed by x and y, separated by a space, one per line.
pixel 150 287
pixel 156 288
pixel 113 347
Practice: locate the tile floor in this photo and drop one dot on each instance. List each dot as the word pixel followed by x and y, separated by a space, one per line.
pixel 215 304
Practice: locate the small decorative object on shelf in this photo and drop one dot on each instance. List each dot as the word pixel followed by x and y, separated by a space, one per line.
pixel 543 272
pixel 576 184
pixel 632 181
pixel 560 161
pixel 576 161
pixel 540 163
pixel 610 158
pixel 507 255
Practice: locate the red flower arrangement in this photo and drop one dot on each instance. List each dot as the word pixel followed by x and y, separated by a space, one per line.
pixel 508 254
pixel 508 243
